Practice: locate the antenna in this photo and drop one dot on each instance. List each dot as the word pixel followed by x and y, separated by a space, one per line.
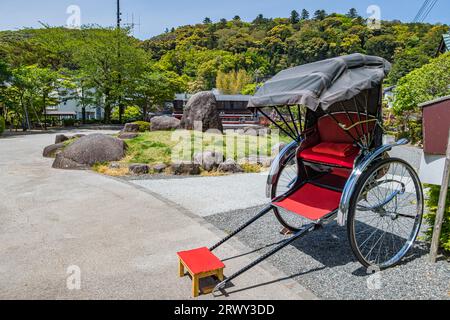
pixel 133 24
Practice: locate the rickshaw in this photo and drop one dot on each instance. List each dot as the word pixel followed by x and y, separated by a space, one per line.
pixel 337 167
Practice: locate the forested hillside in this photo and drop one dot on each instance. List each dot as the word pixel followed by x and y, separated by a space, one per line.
pixel 109 68
pixel 265 46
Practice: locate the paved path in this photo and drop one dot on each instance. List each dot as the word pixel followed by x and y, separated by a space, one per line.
pixel 123 239
pixel 207 196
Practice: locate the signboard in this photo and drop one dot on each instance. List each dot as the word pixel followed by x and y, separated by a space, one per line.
pixel 431 169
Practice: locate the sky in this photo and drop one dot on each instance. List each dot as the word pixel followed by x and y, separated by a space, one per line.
pixel 155 16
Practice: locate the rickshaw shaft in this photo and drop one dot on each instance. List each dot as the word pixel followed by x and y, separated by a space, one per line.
pixel 302 232
pixel 240 229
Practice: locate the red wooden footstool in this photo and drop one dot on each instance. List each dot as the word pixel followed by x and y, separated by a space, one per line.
pixel 200 263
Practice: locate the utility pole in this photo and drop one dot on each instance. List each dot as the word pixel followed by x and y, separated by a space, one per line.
pixel 119 20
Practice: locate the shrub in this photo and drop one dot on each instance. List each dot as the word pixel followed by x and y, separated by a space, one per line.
pixel 130 114
pixel 143 126
pixel 69 122
pixel 430 217
pixel 2 125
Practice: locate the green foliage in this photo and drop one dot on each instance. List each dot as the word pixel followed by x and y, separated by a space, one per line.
pixel 201 51
pixel 2 125
pixel 69 122
pixel 144 126
pixel 106 67
pixel 250 89
pixel 432 205
pixel 421 85
pixel 424 84
pixel 131 113
pixel 232 82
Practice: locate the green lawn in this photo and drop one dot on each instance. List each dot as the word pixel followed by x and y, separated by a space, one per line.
pixel 157 147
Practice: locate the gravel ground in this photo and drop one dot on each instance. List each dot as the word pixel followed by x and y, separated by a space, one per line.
pixel 324 263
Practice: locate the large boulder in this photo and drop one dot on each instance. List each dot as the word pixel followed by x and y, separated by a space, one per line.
pixel 202 108
pixel 164 123
pixel 89 150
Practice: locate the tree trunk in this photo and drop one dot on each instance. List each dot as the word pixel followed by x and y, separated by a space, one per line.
pixel 107 111
pixel 83 115
pixel 44 102
pixel 145 111
pixel 26 122
pixel 121 111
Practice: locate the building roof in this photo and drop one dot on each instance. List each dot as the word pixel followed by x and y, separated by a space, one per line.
pixel 446 38
pixel 219 97
pixel 445 44
pixel 61 113
pixel 438 100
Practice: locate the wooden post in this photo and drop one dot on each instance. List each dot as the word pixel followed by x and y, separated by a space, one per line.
pixel 441 207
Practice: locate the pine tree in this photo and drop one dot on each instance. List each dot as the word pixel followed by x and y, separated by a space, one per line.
pixel 305 14
pixel 320 15
pixel 352 13
pixel 207 21
pixel 295 17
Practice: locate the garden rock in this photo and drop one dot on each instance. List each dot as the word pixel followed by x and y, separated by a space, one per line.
pixel 159 168
pixel 64 163
pixel 202 108
pixel 165 123
pixel 208 160
pixel 139 169
pixel 115 165
pixel 50 151
pixel 89 150
pixel 185 168
pixel 265 161
pixel 230 166
pixel 61 138
pixel 128 135
pixel 131 127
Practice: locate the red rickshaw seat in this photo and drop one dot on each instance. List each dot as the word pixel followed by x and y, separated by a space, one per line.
pixel 311 202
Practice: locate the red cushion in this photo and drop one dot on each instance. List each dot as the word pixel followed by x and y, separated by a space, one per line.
pixel 346 162
pixel 200 260
pixel 311 202
pixel 336 149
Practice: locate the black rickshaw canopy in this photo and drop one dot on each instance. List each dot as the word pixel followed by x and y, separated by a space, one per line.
pixel 324 83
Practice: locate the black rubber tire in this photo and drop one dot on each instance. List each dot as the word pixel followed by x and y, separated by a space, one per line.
pixel 353 203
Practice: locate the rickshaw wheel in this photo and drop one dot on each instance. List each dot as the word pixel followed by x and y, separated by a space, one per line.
pixel 385 213
pixel 286 179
